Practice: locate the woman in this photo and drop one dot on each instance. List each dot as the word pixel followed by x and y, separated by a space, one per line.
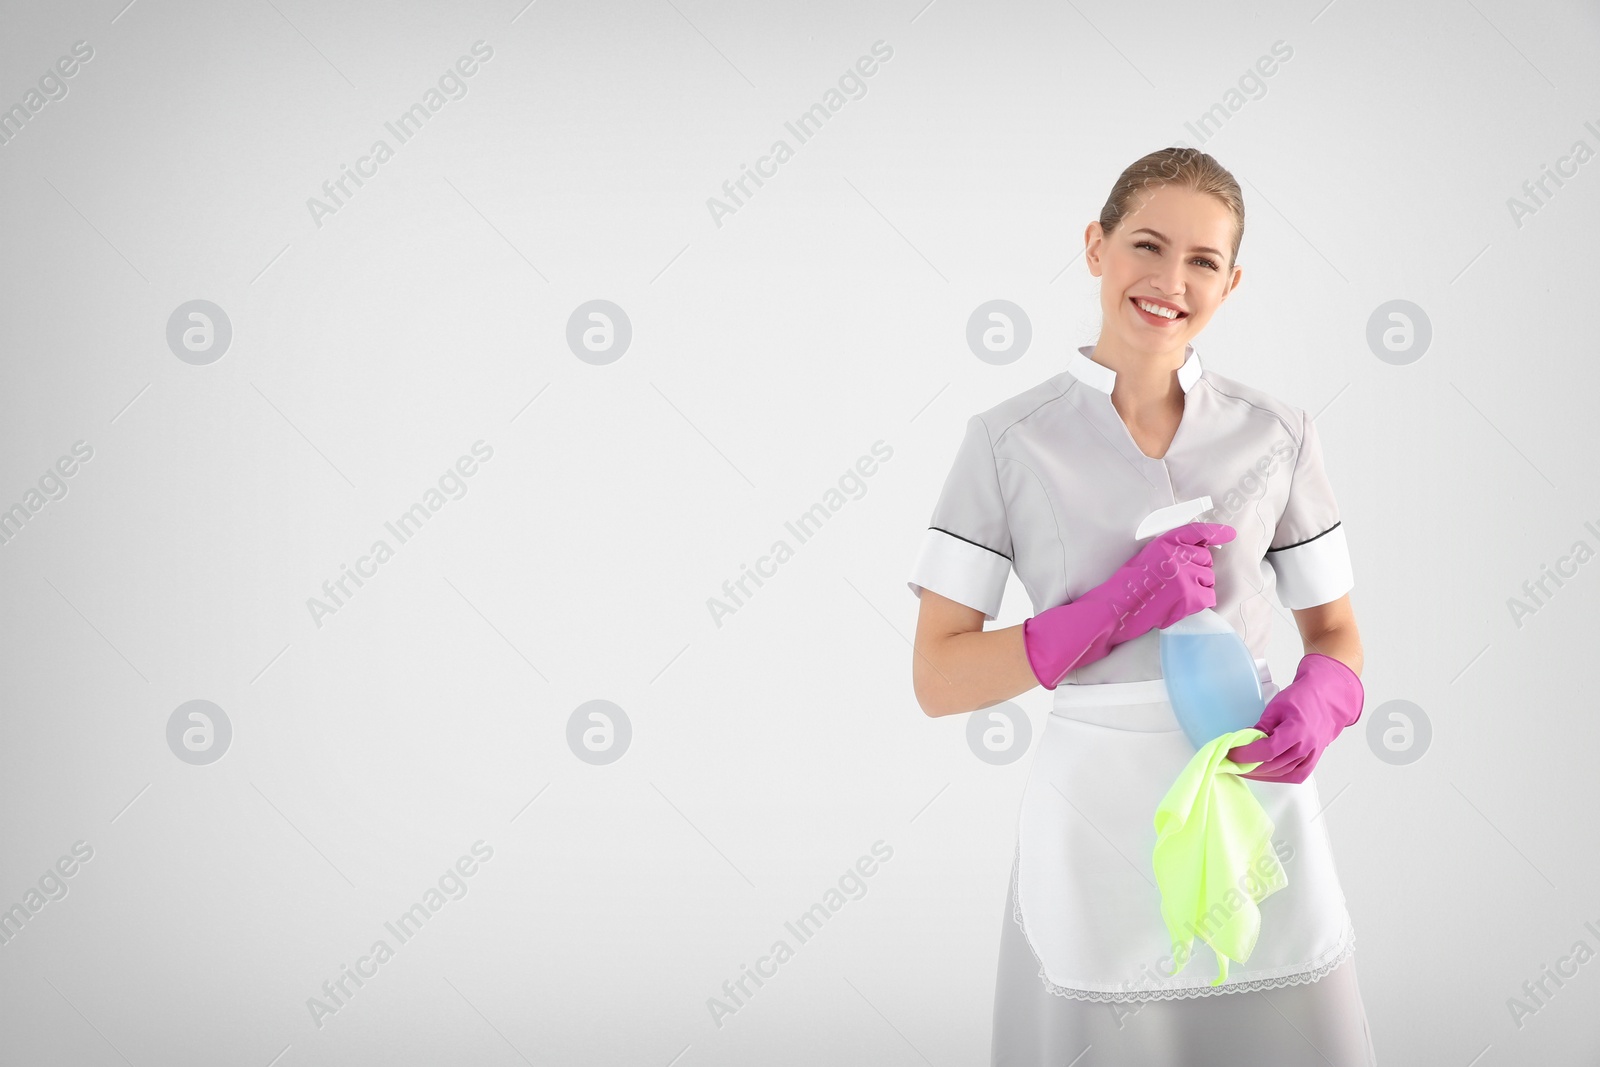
pixel 1053 482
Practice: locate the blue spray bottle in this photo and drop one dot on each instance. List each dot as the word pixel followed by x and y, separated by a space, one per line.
pixel 1210 674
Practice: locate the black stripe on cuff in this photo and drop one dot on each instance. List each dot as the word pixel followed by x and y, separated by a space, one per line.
pixel 1308 540
pixel 969 541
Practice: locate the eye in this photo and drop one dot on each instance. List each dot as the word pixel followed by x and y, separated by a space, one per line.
pixel 1210 263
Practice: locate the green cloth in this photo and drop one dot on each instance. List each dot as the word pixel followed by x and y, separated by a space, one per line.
pixel 1214 859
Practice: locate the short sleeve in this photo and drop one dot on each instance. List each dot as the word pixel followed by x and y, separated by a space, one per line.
pixel 966 551
pixel 1308 553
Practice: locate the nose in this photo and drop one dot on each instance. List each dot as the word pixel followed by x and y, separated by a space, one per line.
pixel 1167 278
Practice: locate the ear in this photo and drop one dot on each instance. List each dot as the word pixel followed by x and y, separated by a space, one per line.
pixel 1093 243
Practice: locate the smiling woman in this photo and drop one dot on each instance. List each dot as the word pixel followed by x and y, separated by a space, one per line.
pixel 1054 484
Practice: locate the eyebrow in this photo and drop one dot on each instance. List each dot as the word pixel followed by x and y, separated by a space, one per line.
pixel 1162 236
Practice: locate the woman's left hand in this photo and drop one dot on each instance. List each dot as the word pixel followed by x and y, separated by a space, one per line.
pixel 1302 720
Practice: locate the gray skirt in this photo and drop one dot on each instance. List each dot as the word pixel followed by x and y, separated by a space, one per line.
pixel 1318 1024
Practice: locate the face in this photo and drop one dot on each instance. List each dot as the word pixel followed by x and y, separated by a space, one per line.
pixel 1171 250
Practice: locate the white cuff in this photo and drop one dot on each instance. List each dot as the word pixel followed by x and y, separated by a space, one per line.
pixel 966 573
pixel 1313 572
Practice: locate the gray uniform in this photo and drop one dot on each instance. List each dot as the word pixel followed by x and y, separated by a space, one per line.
pixel 1051 484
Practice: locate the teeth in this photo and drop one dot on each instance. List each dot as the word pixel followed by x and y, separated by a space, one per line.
pixel 1156 309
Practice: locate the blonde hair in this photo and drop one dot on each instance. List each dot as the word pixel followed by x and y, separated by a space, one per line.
pixel 1187 168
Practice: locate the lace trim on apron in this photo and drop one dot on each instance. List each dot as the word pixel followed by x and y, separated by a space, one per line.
pixel 1341 952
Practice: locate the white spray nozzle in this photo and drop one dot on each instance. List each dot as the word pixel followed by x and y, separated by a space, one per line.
pixel 1172 516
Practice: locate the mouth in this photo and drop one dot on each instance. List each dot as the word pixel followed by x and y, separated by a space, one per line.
pixel 1156 313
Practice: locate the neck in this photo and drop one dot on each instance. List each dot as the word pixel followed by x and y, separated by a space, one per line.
pixel 1145 380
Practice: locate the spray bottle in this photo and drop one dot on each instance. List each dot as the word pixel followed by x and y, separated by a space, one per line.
pixel 1210 674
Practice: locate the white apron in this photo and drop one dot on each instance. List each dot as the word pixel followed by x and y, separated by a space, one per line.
pixel 1086 893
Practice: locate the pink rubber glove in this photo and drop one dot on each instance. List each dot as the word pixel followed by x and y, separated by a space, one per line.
pixel 1166 580
pixel 1302 720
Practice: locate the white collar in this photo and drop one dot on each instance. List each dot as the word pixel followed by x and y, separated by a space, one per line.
pixel 1103 378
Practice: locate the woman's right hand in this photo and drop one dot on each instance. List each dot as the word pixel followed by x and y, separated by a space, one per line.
pixel 1166 580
